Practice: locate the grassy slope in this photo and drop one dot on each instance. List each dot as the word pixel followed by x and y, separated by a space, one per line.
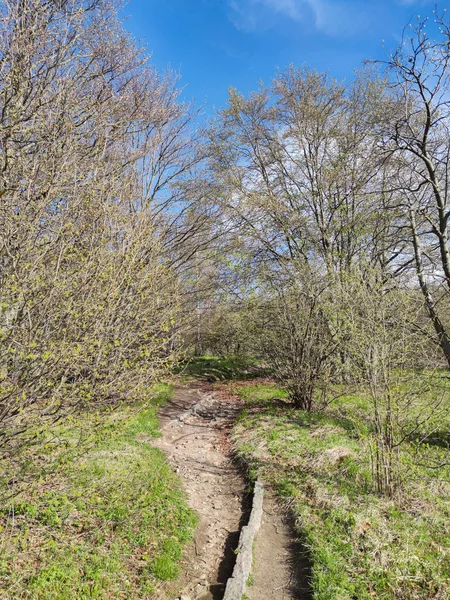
pixel 109 525
pixel 362 546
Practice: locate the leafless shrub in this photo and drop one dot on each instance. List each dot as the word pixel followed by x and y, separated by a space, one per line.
pixel 93 146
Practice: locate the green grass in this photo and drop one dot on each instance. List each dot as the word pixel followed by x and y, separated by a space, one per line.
pixel 260 393
pixel 220 368
pixel 362 546
pixel 111 524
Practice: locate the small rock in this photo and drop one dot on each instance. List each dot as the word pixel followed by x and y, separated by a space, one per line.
pixel 336 455
pixel 200 589
pixel 184 597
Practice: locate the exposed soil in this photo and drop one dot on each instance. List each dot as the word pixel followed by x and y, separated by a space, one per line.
pixel 194 438
pixel 194 427
pixel 280 566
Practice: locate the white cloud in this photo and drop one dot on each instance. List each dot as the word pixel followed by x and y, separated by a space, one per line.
pixel 333 17
pixel 288 7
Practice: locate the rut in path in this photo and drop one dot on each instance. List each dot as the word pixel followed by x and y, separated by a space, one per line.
pixel 194 428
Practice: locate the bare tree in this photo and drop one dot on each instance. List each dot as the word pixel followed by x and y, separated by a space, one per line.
pixel 296 171
pixel 418 133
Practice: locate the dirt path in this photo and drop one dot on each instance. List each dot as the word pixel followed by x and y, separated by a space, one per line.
pixel 194 428
pixel 193 425
pixel 280 567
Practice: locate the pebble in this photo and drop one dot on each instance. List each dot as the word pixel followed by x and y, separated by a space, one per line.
pixel 200 589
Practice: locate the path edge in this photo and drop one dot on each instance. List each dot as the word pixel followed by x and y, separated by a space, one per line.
pixel 237 583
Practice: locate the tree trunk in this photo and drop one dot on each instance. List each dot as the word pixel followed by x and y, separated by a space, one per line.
pixel 442 335
pixel 302 396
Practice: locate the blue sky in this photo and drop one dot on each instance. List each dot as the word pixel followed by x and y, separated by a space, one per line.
pixel 220 43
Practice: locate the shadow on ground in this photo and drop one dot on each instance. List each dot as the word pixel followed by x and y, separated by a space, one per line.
pixel 219 368
pixel 300 563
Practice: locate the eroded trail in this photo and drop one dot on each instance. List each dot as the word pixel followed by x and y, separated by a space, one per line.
pixel 281 568
pixel 193 425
